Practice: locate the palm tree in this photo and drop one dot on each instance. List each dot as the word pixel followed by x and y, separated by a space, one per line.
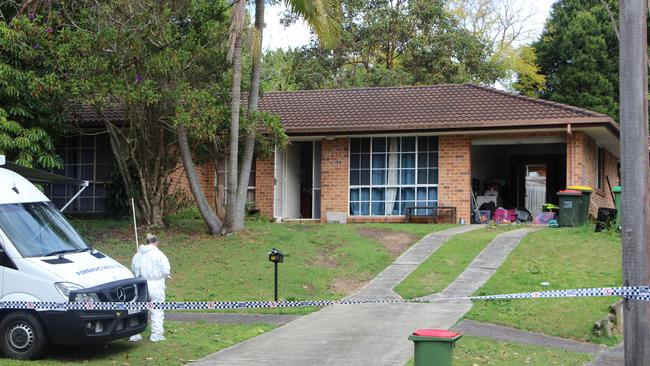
pixel 324 18
pixel 237 26
pixel 215 225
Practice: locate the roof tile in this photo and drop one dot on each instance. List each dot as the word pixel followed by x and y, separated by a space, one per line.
pixel 415 108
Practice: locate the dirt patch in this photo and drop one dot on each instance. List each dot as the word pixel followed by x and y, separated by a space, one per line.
pixel 346 286
pixel 394 241
pixel 324 260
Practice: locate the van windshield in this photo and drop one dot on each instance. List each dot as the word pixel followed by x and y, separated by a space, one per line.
pixel 38 229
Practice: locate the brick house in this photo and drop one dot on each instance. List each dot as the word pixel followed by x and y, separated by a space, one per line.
pixel 359 155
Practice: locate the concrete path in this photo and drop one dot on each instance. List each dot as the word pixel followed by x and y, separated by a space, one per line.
pixel 381 287
pixel 229 318
pixel 365 334
pixel 484 265
pixel 614 356
pixel 512 335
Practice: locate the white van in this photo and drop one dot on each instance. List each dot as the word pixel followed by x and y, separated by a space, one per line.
pixel 43 258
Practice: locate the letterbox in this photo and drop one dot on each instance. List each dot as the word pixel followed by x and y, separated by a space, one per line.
pixel 276 256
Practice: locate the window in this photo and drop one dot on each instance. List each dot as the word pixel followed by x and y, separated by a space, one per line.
pixel 600 165
pixel 85 158
pixel 223 181
pixel 389 174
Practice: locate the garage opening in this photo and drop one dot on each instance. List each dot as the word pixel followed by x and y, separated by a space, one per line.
pixel 523 175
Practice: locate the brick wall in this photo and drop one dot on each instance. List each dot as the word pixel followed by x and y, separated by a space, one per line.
pixel 265 186
pixel 582 157
pixel 454 174
pixel 178 181
pixel 334 176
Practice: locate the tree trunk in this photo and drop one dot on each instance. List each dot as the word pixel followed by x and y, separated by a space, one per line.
pixel 156 217
pixel 211 220
pixel 253 101
pixel 231 185
pixel 242 189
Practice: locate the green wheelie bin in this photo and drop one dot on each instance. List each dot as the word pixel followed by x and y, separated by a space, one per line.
pixel 585 201
pixel 617 201
pixel 570 208
pixel 434 347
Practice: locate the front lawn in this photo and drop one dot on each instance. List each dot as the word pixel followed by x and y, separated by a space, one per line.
pixel 185 342
pixel 450 260
pixel 473 351
pixel 566 258
pixel 322 261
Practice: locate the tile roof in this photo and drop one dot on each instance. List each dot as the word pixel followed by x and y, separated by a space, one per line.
pixel 436 108
pixel 89 116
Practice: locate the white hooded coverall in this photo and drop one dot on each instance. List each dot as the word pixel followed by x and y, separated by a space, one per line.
pixel 151 264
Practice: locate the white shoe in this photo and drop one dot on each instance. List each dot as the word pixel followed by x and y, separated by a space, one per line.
pixel 157 338
pixel 135 338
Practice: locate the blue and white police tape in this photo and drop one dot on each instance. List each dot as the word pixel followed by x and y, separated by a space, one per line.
pixel 641 293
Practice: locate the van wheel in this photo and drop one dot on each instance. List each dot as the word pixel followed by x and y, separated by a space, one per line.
pixel 22 336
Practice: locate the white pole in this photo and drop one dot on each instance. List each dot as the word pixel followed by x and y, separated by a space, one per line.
pixel 135 225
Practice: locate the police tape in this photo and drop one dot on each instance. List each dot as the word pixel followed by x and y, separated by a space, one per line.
pixel 641 293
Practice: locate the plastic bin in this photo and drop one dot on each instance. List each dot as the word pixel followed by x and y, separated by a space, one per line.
pixel 434 346
pixel 482 217
pixel 617 201
pixel 570 208
pixel 586 201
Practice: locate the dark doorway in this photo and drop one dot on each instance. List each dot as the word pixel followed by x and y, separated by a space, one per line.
pixel 301 184
pixel 306 178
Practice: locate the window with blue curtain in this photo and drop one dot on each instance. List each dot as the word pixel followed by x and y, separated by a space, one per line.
pixel 389 174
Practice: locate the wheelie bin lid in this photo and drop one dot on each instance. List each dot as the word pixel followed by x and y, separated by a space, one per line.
pixel 569 192
pixel 580 188
pixel 616 189
pixel 435 335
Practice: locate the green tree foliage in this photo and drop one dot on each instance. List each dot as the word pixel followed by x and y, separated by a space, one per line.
pixel 162 62
pixel 31 93
pixel 578 53
pixel 530 82
pixel 389 42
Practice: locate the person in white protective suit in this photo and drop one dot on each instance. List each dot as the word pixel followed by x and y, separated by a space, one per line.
pixel 151 264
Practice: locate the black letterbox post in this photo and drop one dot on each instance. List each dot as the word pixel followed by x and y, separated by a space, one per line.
pixel 276 257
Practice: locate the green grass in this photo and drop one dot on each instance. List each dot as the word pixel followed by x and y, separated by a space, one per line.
pixel 450 260
pixel 185 342
pixel 472 351
pixel 567 258
pixel 322 261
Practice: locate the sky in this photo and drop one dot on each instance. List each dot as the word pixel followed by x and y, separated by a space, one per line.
pixel 277 36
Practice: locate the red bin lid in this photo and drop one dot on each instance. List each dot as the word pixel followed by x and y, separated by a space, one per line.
pixel 435 333
pixel 569 192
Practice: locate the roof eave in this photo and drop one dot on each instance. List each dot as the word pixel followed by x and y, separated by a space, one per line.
pixel 474 126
